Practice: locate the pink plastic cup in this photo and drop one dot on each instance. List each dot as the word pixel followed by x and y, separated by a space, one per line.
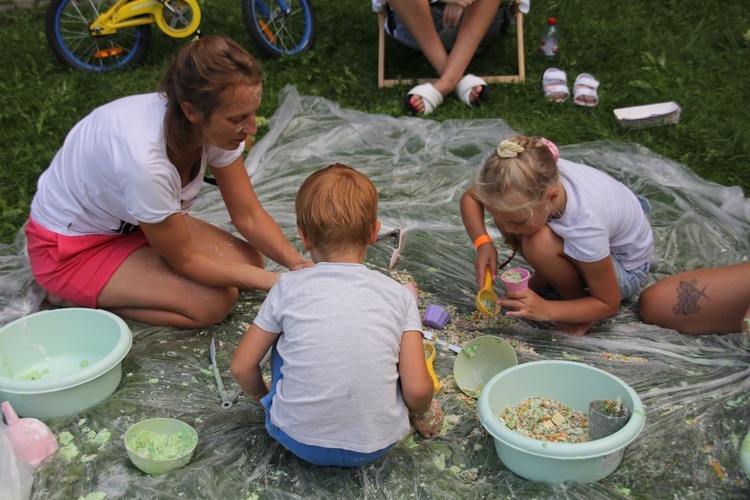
pixel 30 437
pixel 515 279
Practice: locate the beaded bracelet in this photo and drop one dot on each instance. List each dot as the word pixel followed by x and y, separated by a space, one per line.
pixel 485 238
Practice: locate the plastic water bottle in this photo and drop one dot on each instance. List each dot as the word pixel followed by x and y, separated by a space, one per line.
pixel 551 39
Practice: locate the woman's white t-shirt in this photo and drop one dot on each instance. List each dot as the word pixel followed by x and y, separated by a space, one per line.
pixel 113 171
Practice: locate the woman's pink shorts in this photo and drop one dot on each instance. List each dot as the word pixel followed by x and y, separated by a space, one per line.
pixel 77 268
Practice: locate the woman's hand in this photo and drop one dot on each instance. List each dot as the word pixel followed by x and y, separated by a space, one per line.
pixel 300 263
pixel 430 422
pixel 452 15
pixel 460 3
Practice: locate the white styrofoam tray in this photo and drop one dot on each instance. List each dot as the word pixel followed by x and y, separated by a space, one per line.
pixel 649 115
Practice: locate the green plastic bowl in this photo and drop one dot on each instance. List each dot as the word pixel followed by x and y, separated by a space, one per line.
pixel 59 362
pixel 162 454
pixel 572 384
pixel 481 359
pixel 745 455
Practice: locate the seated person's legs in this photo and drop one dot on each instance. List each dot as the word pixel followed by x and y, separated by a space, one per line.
pixel 146 289
pixel 702 301
pixel 417 18
pixel 544 252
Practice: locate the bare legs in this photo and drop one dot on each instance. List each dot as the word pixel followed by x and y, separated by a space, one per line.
pixel 543 250
pixel 702 301
pixel 146 289
pixel 415 14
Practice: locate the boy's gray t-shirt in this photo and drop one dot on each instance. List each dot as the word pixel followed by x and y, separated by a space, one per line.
pixel 342 326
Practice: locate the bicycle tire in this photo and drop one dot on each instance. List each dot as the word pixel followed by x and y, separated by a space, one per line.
pixel 66 27
pixel 277 33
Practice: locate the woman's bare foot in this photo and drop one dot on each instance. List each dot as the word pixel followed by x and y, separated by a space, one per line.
pixel 577 329
pixel 58 301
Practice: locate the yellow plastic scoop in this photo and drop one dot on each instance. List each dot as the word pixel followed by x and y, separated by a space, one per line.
pixel 487 298
pixel 429 354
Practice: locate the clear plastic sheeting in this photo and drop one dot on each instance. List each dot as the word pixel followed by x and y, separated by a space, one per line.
pixel 695 390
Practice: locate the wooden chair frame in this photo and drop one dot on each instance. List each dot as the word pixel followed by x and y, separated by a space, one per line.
pixel 384 82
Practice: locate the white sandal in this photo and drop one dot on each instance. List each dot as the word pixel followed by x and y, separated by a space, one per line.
pixel 466 86
pixel 555 85
pixel 431 98
pixel 584 90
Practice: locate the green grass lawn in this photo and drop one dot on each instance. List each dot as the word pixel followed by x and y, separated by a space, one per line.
pixel 688 51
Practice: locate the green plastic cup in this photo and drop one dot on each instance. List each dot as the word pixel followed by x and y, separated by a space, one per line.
pixel 160 445
pixel 481 359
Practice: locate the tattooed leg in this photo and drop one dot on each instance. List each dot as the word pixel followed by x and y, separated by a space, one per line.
pixel 701 301
pixel 688 296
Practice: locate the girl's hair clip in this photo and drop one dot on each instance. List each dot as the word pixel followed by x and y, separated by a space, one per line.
pixel 552 148
pixel 509 149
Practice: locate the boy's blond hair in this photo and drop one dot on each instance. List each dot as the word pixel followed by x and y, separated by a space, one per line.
pixel 337 207
pixel 528 174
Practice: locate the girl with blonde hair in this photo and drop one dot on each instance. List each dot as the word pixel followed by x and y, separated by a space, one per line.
pixel 584 233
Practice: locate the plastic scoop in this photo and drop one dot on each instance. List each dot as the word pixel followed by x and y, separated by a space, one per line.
pixel 607 417
pixel 429 354
pixel 487 298
pixel 30 437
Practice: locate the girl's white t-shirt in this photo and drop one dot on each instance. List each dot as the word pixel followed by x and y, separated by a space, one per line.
pixel 602 217
pixel 112 171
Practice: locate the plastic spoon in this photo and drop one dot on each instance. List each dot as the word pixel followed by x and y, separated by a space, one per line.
pixel 429 351
pixel 487 296
pixel 29 436
pixel 430 335
pixel 227 398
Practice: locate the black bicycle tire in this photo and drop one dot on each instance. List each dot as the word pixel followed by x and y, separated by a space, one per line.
pixel 66 56
pixel 260 41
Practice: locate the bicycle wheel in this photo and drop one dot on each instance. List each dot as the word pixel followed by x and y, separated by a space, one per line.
pixel 179 18
pixel 67 29
pixel 280 26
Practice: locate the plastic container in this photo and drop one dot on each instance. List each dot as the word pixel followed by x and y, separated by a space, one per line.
pixel 602 423
pixel 159 458
pixel 745 455
pixel 572 384
pixel 515 279
pixel 481 359
pixel 649 115
pixel 436 317
pixel 59 362
pixel 551 39
pixel 31 437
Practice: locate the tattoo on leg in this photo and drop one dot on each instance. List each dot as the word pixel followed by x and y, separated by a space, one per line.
pixel 688 296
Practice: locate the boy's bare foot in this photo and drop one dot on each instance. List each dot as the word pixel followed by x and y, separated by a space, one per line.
pixel 577 329
pixel 58 301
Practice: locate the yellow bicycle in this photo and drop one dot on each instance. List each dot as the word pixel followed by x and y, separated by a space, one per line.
pixel 102 35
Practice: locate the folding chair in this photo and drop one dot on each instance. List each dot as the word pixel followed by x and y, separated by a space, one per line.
pixel 519 77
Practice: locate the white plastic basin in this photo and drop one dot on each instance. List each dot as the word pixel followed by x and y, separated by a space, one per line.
pixel 59 362
pixel 574 385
